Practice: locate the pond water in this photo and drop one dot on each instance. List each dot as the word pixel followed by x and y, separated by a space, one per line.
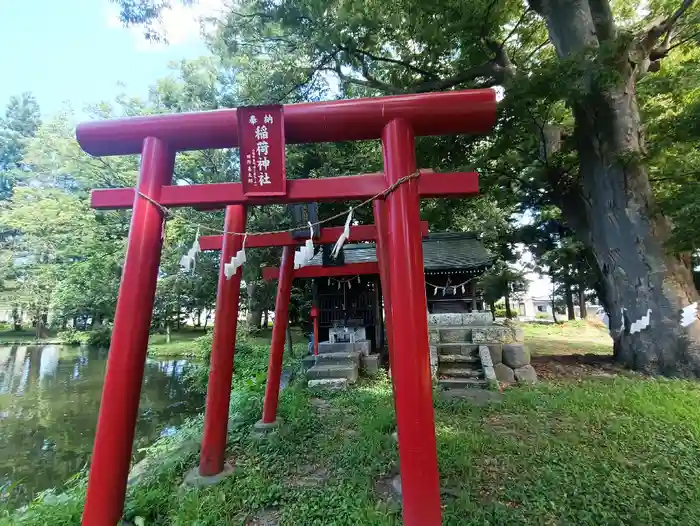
pixel 49 401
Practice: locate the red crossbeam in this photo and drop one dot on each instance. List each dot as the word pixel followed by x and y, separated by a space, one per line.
pixel 328 235
pixel 443 113
pixel 317 271
pixel 346 188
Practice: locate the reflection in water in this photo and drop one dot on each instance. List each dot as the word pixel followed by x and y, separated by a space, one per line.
pixel 49 400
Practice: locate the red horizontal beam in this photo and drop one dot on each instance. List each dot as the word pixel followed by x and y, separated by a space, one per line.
pixel 345 188
pixel 317 271
pixel 328 235
pixel 443 113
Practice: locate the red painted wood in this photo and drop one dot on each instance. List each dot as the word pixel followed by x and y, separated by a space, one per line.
pixel 317 271
pixel 329 235
pixel 279 333
pixel 354 187
pixel 413 391
pixel 111 456
pixel 442 113
pixel 211 459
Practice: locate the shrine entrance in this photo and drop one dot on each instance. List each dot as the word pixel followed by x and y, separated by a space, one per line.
pixel 396 120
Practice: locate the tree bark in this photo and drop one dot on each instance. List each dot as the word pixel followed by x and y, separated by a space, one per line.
pixel 509 314
pixel 569 297
pixel 290 344
pixel 266 319
pixel 582 301
pixel 612 207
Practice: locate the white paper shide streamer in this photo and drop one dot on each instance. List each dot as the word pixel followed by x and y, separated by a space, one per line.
pixel 641 323
pixel 305 253
pixel 187 261
pixel 689 314
pixel 236 262
pixel 343 237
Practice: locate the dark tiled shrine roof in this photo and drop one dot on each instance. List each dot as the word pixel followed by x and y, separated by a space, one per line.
pixel 450 250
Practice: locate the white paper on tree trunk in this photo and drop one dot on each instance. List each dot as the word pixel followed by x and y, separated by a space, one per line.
pixel 689 314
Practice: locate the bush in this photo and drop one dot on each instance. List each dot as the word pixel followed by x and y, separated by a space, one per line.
pixel 100 338
pixel 72 336
pixel 4 326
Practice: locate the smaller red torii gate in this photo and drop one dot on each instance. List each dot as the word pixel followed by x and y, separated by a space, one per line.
pixel 396 121
pixel 224 342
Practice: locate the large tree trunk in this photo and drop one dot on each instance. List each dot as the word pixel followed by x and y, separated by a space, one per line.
pixel 569 297
pixel 582 301
pixel 612 207
pixel 254 317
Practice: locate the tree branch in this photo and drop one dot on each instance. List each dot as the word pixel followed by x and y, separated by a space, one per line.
pixel 602 19
pixel 658 30
pixel 405 64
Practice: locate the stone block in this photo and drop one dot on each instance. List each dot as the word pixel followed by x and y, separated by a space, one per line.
pixel 194 480
pixel 526 374
pixel 496 350
pixel 328 384
pixel 348 372
pixel 433 336
pixel 370 364
pixel 476 318
pixel 504 373
pixel 445 318
pixel 485 356
pixel 325 347
pixel 454 335
pixel 364 347
pixel 307 362
pixel 492 334
pixel 433 355
pixel 338 358
pixel 516 355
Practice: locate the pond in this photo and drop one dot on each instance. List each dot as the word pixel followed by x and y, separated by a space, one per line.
pixel 49 401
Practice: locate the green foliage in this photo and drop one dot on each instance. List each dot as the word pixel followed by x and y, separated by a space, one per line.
pixel 100 338
pixel 72 336
pixel 502 281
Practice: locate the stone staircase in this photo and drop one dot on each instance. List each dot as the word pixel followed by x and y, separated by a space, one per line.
pixel 338 364
pixel 464 347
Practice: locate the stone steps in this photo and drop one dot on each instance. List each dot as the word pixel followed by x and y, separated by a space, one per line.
pixel 463 383
pixel 458 359
pixel 456 372
pixel 318 372
pixel 458 348
pixel 338 358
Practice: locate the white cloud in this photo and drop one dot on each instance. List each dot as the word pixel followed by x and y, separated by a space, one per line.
pixel 181 25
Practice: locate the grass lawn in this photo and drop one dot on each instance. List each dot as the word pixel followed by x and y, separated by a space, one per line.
pixel 571 337
pixel 181 344
pixel 24 336
pixel 595 451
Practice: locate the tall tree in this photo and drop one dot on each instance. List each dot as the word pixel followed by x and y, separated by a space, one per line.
pixel 569 69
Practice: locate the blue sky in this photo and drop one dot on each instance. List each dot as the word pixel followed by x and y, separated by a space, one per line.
pixel 77 51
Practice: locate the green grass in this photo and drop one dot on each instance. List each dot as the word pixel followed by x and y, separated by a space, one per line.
pixel 181 344
pixel 571 337
pixel 24 336
pixel 607 451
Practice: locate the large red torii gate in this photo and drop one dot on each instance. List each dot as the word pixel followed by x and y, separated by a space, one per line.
pixel 396 120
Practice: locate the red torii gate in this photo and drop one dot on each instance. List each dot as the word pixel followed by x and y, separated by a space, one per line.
pixel 396 120
pixel 221 363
